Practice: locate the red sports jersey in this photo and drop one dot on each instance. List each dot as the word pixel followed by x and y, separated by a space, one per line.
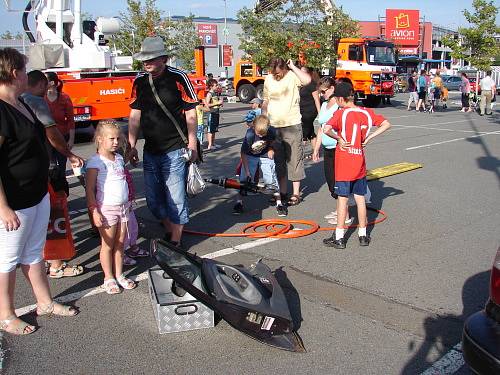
pixel 353 125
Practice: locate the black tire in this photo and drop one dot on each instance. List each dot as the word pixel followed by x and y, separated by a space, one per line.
pixel 260 91
pixel 246 93
pixel 372 101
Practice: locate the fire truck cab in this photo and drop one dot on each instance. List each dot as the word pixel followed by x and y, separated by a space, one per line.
pixel 370 65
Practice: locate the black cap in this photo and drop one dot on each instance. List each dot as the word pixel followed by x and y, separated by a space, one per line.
pixel 343 90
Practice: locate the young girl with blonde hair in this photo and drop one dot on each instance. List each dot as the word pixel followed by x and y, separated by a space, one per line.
pixel 108 202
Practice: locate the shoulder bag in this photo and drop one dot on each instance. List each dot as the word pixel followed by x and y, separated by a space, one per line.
pixel 195 183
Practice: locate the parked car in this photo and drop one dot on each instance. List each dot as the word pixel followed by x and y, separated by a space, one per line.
pixel 481 334
pixel 452 83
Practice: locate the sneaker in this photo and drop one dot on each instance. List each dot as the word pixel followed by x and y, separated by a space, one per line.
pixel 364 240
pixel 331 215
pixel 238 208
pixel 128 261
pixel 332 242
pixel 347 222
pixel 281 210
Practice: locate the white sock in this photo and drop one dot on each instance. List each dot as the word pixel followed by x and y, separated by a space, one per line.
pixel 361 231
pixel 278 199
pixel 339 233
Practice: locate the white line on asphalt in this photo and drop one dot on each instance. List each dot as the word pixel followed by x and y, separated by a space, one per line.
pixel 451 140
pixel 423 126
pixel 443 129
pixel 448 364
pixel 144 275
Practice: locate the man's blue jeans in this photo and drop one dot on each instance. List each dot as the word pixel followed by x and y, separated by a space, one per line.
pixel 165 186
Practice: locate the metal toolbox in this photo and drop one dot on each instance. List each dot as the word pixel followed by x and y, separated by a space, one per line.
pixel 174 313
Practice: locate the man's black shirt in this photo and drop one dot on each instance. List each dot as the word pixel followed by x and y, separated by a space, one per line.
pixel 177 93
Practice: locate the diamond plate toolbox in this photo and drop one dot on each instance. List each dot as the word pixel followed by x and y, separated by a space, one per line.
pixel 174 313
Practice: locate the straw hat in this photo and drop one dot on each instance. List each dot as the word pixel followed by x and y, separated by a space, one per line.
pixel 151 48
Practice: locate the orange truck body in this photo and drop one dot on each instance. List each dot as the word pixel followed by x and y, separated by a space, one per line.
pixel 102 95
pixel 368 63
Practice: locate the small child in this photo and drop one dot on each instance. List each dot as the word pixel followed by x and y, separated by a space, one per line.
pixel 108 201
pixel 255 111
pixel 432 96
pixel 200 130
pixel 212 103
pixel 132 250
pixel 351 126
pixel 256 151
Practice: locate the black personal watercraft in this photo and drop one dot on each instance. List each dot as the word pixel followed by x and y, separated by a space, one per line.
pixel 250 300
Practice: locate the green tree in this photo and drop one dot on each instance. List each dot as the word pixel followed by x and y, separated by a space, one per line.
pixel 477 43
pixel 143 19
pixel 287 28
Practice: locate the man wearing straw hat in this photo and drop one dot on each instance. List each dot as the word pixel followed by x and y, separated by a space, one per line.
pixel 164 106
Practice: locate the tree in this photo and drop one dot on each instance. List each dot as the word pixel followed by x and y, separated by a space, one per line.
pixel 289 28
pixel 8 35
pixel 143 20
pixel 477 43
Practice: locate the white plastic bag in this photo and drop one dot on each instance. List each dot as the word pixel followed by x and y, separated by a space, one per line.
pixel 195 183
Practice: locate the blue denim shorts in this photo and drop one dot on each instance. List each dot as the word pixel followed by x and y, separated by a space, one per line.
pixel 165 186
pixel 346 188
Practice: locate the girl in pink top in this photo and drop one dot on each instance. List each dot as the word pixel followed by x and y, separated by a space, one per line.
pixel 108 202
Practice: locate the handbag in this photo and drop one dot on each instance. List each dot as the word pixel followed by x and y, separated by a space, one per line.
pixel 59 244
pixel 195 183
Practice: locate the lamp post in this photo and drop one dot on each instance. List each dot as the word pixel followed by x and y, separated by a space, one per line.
pixel 225 35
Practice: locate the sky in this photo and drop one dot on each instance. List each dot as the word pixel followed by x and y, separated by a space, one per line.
pixel 446 13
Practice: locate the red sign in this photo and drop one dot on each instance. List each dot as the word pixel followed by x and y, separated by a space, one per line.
pixel 227 55
pixel 208 34
pixel 402 26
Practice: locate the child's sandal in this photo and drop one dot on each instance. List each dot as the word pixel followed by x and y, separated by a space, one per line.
pixel 111 287
pixel 126 283
pixel 16 326
pixel 55 308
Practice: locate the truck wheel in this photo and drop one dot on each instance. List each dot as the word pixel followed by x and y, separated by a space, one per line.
pixel 372 101
pixel 260 91
pixel 246 93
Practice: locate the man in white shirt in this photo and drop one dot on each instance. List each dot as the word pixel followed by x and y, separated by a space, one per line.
pixel 487 89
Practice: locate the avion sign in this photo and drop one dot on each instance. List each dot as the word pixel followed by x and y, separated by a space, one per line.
pixel 402 26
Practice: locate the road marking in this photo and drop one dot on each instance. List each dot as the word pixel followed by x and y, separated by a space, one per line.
pixel 451 140
pixel 424 126
pixel 450 363
pixel 443 129
pixel 144 275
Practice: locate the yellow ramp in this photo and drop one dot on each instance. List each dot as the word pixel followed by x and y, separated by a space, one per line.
pixel 389 170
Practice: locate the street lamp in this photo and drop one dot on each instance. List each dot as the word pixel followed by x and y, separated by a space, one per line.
pixel 225 35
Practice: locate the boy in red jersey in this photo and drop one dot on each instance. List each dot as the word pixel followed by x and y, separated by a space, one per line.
pixel 351 127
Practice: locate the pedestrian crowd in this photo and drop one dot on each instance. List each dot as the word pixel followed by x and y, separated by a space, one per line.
pixel 428 92
pixel 166 110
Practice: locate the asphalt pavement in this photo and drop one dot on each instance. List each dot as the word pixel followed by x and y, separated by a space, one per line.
pixel 395 307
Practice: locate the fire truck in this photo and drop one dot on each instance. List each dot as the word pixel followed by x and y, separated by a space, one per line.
pixel 97 79
pixel 368 63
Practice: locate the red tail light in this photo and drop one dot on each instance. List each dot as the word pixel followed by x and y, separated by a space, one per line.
pixel 81 110
pixel 495 280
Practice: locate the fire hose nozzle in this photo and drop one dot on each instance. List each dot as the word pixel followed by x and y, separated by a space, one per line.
pixel 231 183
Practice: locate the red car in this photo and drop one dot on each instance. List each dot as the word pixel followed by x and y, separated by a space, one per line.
pixel 481 334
